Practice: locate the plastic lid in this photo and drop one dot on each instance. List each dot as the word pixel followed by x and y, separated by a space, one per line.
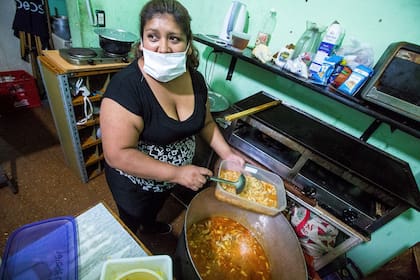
pixel 218 102
pixel 42 250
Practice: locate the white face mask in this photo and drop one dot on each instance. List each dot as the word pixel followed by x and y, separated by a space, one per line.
pixel 165 67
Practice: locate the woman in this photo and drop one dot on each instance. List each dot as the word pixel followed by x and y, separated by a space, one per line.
pixel 150 114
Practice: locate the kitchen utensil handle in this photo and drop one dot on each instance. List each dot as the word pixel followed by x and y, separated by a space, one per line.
pixel 252 110
pixel 216 179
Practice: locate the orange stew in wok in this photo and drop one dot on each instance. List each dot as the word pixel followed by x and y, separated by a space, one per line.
pixel 221 248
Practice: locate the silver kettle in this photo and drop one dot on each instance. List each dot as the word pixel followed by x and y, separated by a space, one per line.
pixel 235 20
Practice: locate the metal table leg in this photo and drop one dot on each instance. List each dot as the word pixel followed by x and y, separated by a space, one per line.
pixel 6 182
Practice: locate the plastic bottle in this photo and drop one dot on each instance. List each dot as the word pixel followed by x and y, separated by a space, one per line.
pixel 264 35
pixel 308 42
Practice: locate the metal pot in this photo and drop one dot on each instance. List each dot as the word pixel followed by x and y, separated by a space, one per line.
pixel 115 41
pixel 274 233
pixel 60 27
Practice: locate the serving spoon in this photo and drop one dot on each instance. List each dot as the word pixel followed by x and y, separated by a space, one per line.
pixel 239 184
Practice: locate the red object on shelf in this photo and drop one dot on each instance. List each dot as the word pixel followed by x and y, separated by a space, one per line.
pixel 18 89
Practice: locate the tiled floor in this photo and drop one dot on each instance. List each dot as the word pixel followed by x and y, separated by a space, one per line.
pixel 30 154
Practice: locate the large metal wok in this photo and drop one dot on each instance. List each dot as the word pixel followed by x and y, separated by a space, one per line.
pixel 275 234
pixel 115 41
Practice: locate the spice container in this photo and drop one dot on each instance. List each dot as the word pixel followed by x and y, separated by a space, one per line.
pixel 252 198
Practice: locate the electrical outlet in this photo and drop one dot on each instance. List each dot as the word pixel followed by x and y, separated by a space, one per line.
pixel 100 18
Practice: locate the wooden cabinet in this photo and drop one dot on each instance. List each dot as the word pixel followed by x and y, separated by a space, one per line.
pixel 80 141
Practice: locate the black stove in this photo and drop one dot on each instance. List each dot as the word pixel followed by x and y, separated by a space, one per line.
pixel 348 183
pixel 92 56
pixel 353 181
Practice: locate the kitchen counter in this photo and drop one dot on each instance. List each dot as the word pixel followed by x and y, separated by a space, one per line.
pixel 102 236
pixel 55 62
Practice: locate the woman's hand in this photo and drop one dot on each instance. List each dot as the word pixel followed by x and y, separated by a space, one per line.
pixel 192 177
pixel 236 158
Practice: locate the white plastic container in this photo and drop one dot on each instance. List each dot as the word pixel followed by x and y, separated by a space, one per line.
pixel 259 174
pixel 117 268
pixel 330 42
pixel 240 40
pixel 140 274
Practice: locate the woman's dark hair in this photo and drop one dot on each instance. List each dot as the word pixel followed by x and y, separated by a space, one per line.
pixel 181 16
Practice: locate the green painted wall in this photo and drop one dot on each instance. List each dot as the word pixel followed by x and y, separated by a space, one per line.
pixel 377 23
pixel 58 6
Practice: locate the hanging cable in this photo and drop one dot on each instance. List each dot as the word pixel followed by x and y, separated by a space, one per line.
pixel 87 104
pixel 208 74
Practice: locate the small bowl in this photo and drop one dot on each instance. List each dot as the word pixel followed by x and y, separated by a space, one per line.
pixel 240 40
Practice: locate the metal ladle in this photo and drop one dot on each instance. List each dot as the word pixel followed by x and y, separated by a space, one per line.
pixel 239 184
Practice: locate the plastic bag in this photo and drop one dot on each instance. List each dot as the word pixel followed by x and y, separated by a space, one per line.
pixel 357 53
pixel 316 236
pixel 262 53
pixel 297 66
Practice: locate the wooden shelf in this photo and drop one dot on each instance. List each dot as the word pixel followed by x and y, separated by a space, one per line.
pixel 78 100
pixel 94 158
pixel 91 141
pixel 82 149
pixel 94 120
pixel 95 173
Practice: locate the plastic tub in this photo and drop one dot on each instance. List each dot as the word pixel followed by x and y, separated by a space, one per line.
pixel 259 174
pixel 161 265
pixel 42 250
pixel 18 89
pixel 240 40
